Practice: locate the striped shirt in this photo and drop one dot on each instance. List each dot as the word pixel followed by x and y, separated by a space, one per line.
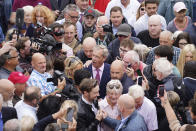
pixel 40 80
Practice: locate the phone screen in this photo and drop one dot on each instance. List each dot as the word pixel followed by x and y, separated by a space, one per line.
pixel 139 80
pixel 161 90
pixel 70 113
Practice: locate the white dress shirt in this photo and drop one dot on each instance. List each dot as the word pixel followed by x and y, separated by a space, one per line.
pixel 100 71
pixel 142 23
pixel 129 11
pixel 24 109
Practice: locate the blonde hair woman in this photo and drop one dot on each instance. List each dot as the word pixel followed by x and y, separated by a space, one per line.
pixel 188 53
pixel 71 64
pixel 27 123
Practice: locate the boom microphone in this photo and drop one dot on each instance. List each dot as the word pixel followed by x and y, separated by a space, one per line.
pixel 19 18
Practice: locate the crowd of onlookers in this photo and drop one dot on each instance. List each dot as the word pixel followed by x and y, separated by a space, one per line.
pixel 97 65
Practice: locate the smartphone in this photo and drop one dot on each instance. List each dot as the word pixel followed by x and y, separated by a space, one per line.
pixel 139 80
pixel 139 73
pixel 161 90
pixel 70 113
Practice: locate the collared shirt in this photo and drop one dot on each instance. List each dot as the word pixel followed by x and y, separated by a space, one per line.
pixel 111 112
pixel 94 109
pixel 148 111
pixel 122 122
pixel 66 48
pixel 151 55
pixel 129 11
pixel 78 26
pixel 40 80
pixel 142 23
pixel 114 29
pixel 24 109
pixel 100 71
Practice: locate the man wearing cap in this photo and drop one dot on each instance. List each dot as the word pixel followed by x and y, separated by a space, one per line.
pixel 19 80
pixel 88 25
pixel 124 31
pixel 181 21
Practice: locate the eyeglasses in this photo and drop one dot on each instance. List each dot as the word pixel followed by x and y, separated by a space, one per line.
pixel 13 57
pixel 142 9
pixel 114 86
pixel 122 50
pixel 73 60
pixel 183 43
pixel 73 17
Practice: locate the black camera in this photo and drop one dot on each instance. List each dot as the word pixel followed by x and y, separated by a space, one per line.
pixel 57 75
pixel 107 28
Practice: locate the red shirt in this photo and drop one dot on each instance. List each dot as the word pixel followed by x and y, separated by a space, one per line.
pixel 101 5
pixel 20 3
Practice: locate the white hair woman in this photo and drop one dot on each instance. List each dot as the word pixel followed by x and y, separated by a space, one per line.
pixel 109 104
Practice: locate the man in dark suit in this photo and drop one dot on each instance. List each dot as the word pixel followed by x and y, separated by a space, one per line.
pixel 88 114
pixel 118 72
pixel 131 119
pixel 100 70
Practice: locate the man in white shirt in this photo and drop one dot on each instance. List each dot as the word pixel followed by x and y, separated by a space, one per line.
pixel 144 106
pixel 28 106
pixel 151 7
pixel 129 7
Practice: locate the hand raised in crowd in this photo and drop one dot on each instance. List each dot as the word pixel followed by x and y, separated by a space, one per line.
pixel 130 73
pixel 6 47
pixel 88 62
pixel 145 85
pixel 61 84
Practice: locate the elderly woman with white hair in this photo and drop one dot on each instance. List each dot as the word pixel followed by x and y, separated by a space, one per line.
pixel 162 69
pixel 114 89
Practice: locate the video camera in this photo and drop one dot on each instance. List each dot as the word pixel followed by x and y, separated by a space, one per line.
pixel 44 40
pixel 57 75
pixel 107 28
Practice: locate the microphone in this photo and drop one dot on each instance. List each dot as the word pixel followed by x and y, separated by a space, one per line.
pixel 19 18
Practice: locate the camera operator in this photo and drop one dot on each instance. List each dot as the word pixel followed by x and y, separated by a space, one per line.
pixel 58 34
pixel 39 77
pixel 102 37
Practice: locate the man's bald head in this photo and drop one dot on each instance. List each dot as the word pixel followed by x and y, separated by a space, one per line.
pixel 154 26
pixel 166 38
pixel 126 101
pixel 117 69
pixel 88 44
pixel 6 89
pixel 39 62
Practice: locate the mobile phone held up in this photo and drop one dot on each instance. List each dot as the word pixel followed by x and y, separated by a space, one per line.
pixel 161 90
pixel 139 80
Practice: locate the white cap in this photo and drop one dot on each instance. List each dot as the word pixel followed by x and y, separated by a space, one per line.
pixel 179 6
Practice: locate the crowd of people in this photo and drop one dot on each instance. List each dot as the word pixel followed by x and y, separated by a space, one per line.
pixel 98 65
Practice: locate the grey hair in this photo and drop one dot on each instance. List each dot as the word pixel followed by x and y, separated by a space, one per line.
pixel 164 66
pixel 114 83
pixel 71 7
pixel 142 51
pixel 134 56
pixel 104 48
pixel 28 9
pixel 12 125
pixel 136 91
